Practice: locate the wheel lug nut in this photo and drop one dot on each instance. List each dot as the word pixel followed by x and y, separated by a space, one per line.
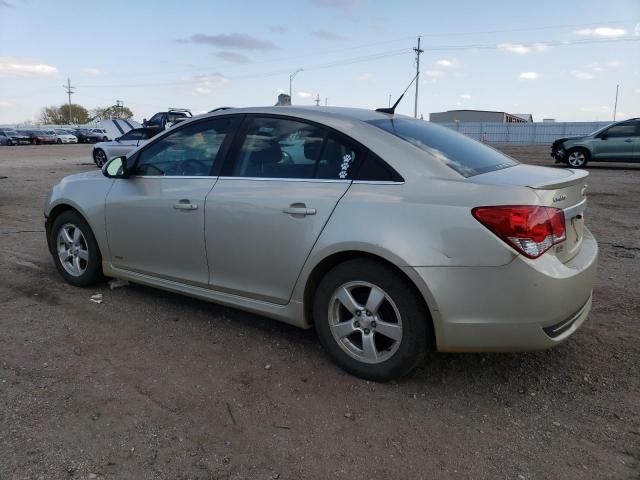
pixel 373 324
pixel 358 313
pixel 367 331
pixel 356 324
pixel 368 313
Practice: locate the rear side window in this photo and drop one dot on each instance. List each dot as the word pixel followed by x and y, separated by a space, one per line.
pixel 464 155
pixel 375 169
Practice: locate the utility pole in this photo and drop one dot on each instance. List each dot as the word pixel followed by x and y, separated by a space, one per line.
pixel 70 91
pixel 418 52
pixel 615 105
pixel 317 100
pixel 291 77
pixel 325 101
pixel 119 106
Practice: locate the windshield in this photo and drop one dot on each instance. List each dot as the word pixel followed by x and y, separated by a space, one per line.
pixel 600 130
pixel 466 156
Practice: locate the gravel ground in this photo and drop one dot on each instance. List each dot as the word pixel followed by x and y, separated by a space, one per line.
pixel 154 385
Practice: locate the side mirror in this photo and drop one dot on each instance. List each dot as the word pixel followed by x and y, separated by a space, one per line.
pixel 604 136
pixel 116 168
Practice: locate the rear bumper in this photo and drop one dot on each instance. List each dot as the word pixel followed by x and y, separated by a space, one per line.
pixel 524 305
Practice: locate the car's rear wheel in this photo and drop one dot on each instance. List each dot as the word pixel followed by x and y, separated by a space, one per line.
pixel 75 250
pixel 58 141
pixel 577 157
pixel 371 320
pixel 9 143
pixel 99 157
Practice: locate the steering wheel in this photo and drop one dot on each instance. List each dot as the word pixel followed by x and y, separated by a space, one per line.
pixel 286 158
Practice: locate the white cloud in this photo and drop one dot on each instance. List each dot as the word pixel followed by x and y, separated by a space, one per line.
pixel 208 83
pixel 434 74
pixel 304 94
pixel 20 67
pixel 4 103
pixel 581 75
pixel 447 63
pixel 280 90
pixel 365 77
pixel 607 32
pixel 622 114
pixel 522 49
pixel 465 96
pixel 518 48
pixel 529 76
pixel 615 64
pixel 93 71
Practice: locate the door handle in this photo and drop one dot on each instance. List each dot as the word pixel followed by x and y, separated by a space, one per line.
pixel 299 209
pixel 185 204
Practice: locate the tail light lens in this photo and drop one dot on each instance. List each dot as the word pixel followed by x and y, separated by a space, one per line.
pixel 531 230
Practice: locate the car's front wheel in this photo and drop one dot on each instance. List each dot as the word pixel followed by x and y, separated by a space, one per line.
pixel 75 250
pixel 99 157
pixel 577 157
pixel 371 320
pixel 58 141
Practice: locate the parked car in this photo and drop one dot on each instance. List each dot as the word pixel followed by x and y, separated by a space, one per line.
pixel 85 135
pixel 62 137
pixel 128 142
pixel 39 137
pixel 13 137
pixel 167 119
pixel 389 235
pixel 618 142
pixel 102 132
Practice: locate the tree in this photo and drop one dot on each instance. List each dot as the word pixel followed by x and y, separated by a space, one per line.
pixel 114 112
pixel 60 115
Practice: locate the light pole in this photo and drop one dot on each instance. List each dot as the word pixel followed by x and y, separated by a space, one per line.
pixel 291 77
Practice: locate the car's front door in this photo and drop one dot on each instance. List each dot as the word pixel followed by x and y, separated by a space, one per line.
pixel 155 218
pixel 274 196
pixel 619 142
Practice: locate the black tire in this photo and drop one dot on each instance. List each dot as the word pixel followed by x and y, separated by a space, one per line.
pixel 37 142
pixel 9 143
pixel 105 139
pixel 93 270
pixel 58 141
pixel 99 157
pixel 416 337
pixel 577 154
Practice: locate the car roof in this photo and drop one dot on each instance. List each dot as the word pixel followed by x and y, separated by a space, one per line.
pixel 347 113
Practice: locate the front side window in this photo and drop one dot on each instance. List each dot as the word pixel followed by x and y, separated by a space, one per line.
pixel 466 156
pixel 188 151
pixel 624 130
pixel 291 149
pixel 133 135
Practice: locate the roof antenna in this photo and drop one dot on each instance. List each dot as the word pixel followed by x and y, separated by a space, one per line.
pixel 392 109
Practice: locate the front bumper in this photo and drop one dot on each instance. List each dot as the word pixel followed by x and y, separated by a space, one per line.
pixel 524 305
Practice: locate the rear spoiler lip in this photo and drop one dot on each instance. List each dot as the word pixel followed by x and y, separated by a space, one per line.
pixel 576 176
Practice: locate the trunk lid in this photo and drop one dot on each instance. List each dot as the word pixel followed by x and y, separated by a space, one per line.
pixel 559 188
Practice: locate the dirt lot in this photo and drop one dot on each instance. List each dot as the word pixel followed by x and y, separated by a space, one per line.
pixel 155 385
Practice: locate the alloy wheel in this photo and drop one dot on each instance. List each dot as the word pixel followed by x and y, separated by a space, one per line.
pixel 72 249
pixel 100 157
pixel 576 159
pixel 365 322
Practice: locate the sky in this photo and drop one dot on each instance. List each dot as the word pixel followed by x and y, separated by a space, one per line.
pixel 554 59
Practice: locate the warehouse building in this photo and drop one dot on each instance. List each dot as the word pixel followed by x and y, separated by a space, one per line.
pixel 465 116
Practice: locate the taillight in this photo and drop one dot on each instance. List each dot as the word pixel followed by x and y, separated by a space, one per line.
pixel 531 230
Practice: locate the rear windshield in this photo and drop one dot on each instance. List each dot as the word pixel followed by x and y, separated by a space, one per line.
pixel 466 156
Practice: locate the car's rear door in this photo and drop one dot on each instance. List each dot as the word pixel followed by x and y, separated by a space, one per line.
pixel 155 218
pixel 272 200
pixel 619 142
